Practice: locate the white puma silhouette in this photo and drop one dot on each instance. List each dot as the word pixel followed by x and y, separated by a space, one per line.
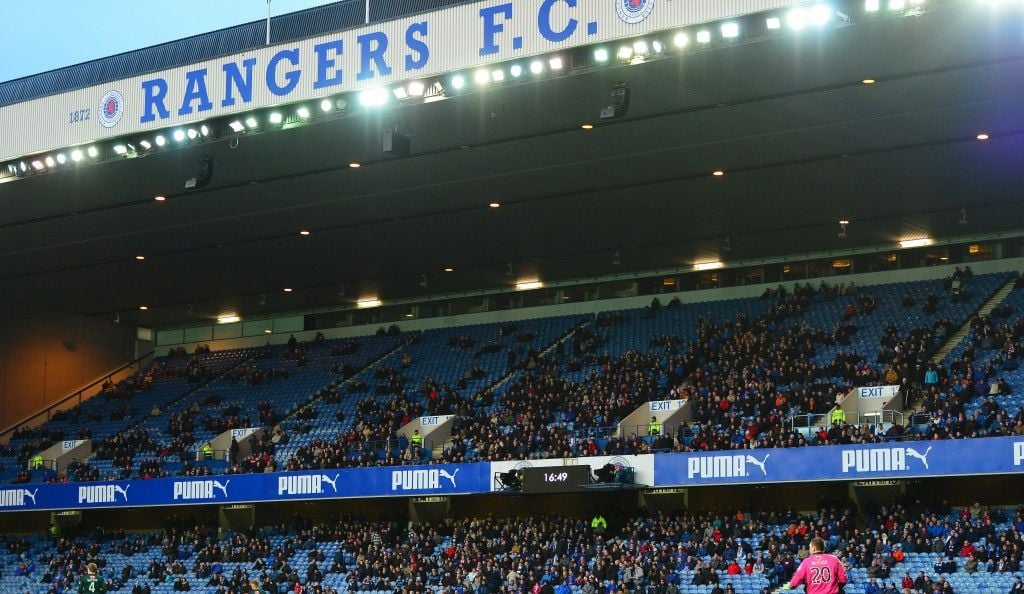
pixel 30 494
pixel 331 481
pixel 911 452
pixel 451 477
pixel 224 487
pixel 759 463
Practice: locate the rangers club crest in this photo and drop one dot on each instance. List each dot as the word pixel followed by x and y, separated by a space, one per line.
pixel 634 11
pixel 111 109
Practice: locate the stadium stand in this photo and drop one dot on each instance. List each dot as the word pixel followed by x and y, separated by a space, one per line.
pixel 973 548
pixel 548 387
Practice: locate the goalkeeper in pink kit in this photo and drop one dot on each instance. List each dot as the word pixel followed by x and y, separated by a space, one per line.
pixel 821 573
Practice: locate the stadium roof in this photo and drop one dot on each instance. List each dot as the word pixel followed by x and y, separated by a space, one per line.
pixel 288 27
pixel 802 141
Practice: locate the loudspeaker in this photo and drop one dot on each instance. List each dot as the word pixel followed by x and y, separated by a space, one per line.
pixel 203 174
pixel 396 144
pixel 620 102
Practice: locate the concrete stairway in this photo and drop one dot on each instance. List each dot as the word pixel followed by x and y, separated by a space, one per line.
pixel 964 330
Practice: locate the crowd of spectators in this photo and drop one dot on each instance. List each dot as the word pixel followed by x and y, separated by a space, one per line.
pixel 653 553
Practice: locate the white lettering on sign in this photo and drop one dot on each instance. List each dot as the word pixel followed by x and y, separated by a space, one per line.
pixel 878 391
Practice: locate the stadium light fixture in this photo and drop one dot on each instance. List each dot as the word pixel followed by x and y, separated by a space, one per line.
pixel 624 53
pixel 495 205
pixel 821 14
pixel 458 82
pixel 449 269
pixel 204 130
pixel 913 243
pixel 369 303
pixel 680 40
pixel 303 112
pixel 657 47
pixel 38 165
pixel 982 136
pixel 774 23
pixel 326 105
pixel 192 134
pixel 120 149
pixel 587 126
pixel 556 63
pixel 354 165
pixel 143 307
pixel 400 93
pixel 61 158
pixel 304 232
pixel 287 289
pixel 704 36
pixel 640 47
pixel 373 97
pixel 872 5
pixel 76 156
pixel 251 122
pixel 481 77
pixel 498 75
pixel 160 198
pixel 601 54
pixel 897 4
pixel 93 152
pixel 49 161
pixel 536 67
pixel 730 30
pixel 140 257
pixel 718 173
pixel 160 140
pixel 796 19
pixel 145 144
pixel 228 319
pixel 276 117
pixel 529 285
pixel 515 70
pixel 868 81
pixel 701 266
pixel 179 135
pixel 417 88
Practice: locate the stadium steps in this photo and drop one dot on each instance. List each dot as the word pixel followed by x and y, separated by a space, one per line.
pixel 965 330
pixel 984 310
pixel 438 449
pixel 184 395
pixel 341 382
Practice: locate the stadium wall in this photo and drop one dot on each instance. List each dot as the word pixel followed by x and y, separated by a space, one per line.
pixel 44 356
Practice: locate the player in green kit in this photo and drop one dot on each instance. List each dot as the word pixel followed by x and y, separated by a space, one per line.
pixel 92 582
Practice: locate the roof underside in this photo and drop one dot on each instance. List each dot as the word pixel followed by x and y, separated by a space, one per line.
pixel 804 144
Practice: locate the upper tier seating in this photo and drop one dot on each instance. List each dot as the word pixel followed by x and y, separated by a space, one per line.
pixel 518 391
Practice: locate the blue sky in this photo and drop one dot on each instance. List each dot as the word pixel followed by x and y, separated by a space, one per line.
pixel 41 35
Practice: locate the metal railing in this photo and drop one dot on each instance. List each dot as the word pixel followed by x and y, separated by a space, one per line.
pixel 79 396
pixel 623 431
pixel 807 424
